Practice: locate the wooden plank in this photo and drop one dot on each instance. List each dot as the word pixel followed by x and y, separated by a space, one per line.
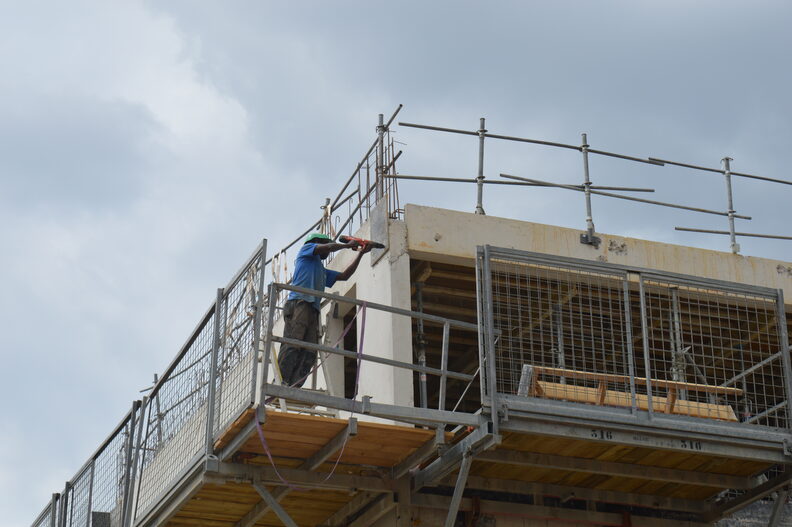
pixel 624 379
pixel 583 394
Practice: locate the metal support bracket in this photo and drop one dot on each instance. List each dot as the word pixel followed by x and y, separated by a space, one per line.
pixel 590 239
pixel 479 440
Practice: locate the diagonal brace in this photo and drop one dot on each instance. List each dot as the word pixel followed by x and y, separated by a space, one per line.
pixel 274 505
pixel 312 463
pixel 459 488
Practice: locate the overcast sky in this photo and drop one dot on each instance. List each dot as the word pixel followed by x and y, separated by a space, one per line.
pixel 147 147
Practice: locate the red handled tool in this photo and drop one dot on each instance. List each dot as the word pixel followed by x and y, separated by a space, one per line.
pixel 361 242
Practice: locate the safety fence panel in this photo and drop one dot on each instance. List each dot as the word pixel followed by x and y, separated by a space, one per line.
pixel 46 517
pixel 110 478
pixel 598 334
pixel 561 332
pixel 175 419
pixel 236 356
pixel 175 432
pixel 716 336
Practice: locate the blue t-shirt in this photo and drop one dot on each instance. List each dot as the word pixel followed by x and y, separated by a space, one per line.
pixel 311 274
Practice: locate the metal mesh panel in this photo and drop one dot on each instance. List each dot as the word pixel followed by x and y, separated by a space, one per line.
pixel 77 500
pixel 45 518
pixel 562 332
pixel 109 473
pixel 585 333
pixel 175 428
pixel 235 361
pixel 716 337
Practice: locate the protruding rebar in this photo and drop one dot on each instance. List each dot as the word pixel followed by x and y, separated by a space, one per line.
pixel 480 178
pixel 380 157
pixel 735 247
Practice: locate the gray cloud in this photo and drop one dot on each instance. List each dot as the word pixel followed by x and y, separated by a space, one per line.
pixel 145 149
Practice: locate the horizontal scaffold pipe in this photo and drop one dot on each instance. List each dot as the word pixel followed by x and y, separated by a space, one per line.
pixel 379 307
pixel 373 358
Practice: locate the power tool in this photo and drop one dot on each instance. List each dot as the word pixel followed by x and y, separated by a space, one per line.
pixel 361 242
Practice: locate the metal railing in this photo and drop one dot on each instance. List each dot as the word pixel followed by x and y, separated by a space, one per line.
pixel 212 380
pixel 599 334
pixel 208 385
pixel 438 417
pixel 98 495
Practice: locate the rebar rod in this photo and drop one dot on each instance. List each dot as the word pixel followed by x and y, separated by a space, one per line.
pixel 629 198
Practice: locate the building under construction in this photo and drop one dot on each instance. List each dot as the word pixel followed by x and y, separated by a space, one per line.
pixel 478 371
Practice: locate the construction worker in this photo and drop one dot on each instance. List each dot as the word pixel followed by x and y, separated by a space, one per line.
pixel 301 311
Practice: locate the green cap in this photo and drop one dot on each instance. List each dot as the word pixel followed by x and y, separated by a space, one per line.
pixel 317 236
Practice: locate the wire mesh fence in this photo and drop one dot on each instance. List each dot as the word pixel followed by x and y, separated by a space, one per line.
pixel 598 334
pixel 237 347
pixel 175 419
pixel 175 432
pixel 46 517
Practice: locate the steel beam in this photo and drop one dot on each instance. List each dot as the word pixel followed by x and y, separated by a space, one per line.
pixel 459 488
pixel 637 434
pixel 240 439
pixel 300 477
pixel 611 468
pixel 379 509
pixel 424 452
pixel 478 440
pixel 778 507
pixel 274 505
pixel 751 496
pixel 609 496
pixel 387 411
pixel 340 516
pixel 499 508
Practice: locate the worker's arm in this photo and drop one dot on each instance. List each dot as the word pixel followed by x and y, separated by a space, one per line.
pixel 353 266
pixel 323 249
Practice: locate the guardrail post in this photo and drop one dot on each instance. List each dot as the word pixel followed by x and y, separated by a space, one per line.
pixel 492 385
pixel 480 178
pixel 272 300
pixel 54 509
pixel 645 338
pixel 138 409
pixel 785 350
pixel 258 319
pixel 629 344
pixel 90 494
pixel 210 401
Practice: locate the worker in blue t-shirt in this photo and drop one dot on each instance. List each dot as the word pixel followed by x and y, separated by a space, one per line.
pixel 301 311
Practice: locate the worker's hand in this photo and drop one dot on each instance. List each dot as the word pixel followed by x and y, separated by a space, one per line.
pixel 352 244
pixel 366 247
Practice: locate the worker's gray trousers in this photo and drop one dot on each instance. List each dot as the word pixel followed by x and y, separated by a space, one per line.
pixel 301 322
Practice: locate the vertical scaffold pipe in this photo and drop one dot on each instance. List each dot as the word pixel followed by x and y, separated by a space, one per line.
pixel 480 177
pixel 421 342
pixel 735 247
pixel 587 186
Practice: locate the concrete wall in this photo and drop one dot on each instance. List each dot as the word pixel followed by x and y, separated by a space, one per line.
pixel 385 282
pixel 450 236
